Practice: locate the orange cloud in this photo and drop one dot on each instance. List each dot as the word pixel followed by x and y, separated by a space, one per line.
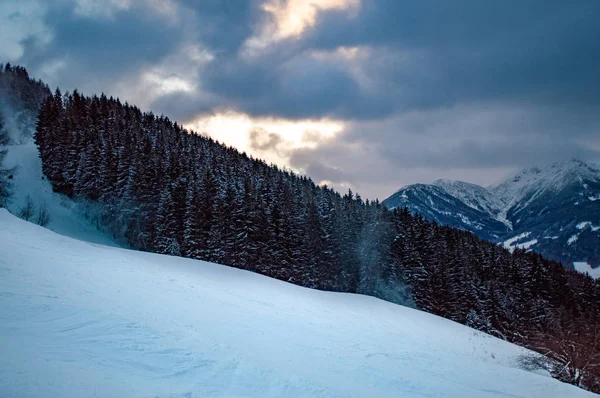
pixel 287 19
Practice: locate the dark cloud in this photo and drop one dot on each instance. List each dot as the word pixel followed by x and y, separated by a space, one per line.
pixel 463 89
pixel 421 55
pixel 296 88
pixel 481 144
pixel 440 53
pixel 473 154
pixel 223 25
pixel 300 87
pixel 111 44
pixel 321 172
pixel 102 48
pixel 183 106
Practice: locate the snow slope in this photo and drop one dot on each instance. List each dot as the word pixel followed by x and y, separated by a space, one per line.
pixel 472 195
pixel 84 320
pixel 516 242
pixel 65 215
pixel 534 182
pixel 585 268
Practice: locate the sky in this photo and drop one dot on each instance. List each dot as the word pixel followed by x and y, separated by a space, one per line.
pixel 368 95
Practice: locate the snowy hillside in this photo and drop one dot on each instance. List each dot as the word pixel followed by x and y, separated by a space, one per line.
pixel 82 320
pixel 66 217
pixel 541 209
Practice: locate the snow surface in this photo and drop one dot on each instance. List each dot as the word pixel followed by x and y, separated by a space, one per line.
pixel 65 215
pixel 572 239
pixel 526 245
pixel 476 197
pixel 532 183
pixel 85 320
pixel 585 268
pixel 509 243
pixel 472 195
pixel 584 224
pixel 465 220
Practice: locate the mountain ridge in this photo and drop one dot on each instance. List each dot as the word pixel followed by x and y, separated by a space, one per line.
pixel 540 207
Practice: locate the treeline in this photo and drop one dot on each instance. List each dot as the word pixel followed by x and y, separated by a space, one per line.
pixel 161 188
pixel 165 190
pixel 519 297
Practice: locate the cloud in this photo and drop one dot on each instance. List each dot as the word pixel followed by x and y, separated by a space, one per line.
pixel 363 94
pixel 262 140
pixel 222 25
pixel 472 50
pixel 271 139
pixel 287 19
pixel 322 172
pixel 477 143
pixel 421 55
pixel 392 57
pixel 100 8
pixel 164 85
pixel 97 51
pixel 21 22
pixel 345 58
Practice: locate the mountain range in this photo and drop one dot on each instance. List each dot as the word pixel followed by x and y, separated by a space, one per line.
pixel 553 210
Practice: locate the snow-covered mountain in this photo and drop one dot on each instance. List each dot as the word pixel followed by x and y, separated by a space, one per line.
pixel 436 203
pixel 530 184
pixel 85 320
pixel 554 210
pixel 472 195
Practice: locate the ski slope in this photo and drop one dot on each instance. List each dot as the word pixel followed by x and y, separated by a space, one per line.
pixel 83 320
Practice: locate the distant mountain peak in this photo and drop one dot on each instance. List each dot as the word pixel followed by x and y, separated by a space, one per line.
pixel 577 167
pixel 570 165
pixel 543 203
pixel 536 181
pixel 444 182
